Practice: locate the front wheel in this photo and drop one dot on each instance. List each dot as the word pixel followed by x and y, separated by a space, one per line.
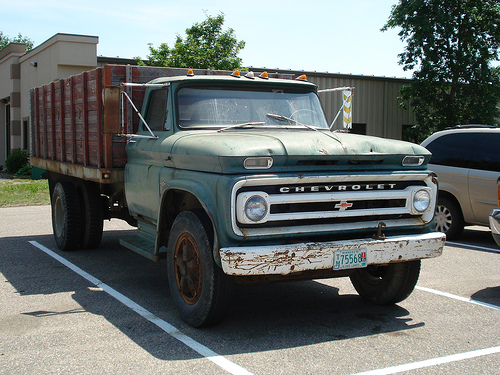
pixel 200 290
pixel 386 285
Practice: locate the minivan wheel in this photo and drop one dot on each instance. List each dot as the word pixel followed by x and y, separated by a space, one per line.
pixel 449 219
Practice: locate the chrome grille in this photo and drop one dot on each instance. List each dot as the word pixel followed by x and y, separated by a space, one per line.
pixel 334 203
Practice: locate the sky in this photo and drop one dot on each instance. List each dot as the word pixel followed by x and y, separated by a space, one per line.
pixel 316 35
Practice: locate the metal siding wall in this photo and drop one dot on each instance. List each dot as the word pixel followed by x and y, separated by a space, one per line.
pixel 374 103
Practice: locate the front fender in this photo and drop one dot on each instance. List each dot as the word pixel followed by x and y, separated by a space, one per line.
pixel 212 191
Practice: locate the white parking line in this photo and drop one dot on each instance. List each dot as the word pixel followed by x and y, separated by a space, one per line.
pixel 441 360
pixel 432 362
pixel 469 300
pixel 167 327
pixel 474 247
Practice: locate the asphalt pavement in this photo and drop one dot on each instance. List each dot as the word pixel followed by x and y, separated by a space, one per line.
pixel 108 311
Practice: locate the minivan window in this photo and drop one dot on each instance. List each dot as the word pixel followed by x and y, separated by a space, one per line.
pixel 454 150
pixel 487 156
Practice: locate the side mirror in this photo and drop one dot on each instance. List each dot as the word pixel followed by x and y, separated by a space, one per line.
pixel 111 110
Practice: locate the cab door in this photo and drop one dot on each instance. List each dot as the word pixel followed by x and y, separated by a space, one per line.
pixel 146 157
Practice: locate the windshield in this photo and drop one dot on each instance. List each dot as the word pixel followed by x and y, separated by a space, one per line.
pixel 224 108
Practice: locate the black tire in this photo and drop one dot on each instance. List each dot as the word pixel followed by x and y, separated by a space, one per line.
pixel 92 216
pixel 200 290
pixel 66 216
pixel 386 285
pixel 449 218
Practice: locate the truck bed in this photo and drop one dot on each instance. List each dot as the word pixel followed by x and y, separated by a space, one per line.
pixel 67 132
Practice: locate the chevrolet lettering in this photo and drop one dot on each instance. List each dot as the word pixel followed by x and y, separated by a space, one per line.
pixel 331 188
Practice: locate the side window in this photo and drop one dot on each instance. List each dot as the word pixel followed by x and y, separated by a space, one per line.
pixel 487 155
pixel 157 114
pixel 454 150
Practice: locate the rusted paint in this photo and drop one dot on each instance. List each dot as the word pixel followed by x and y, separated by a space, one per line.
pixel 85 119
pixel 111 113
pixel 62 117
pixel 52 122
pixel 100 175
pixel 286 259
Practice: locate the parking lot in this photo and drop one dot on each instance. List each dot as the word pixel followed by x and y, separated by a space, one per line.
pixel 108 311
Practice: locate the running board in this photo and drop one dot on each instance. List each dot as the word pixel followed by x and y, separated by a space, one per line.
pixel 144 246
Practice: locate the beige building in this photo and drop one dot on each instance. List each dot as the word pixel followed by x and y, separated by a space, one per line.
pixel 376 110
pixel 59 57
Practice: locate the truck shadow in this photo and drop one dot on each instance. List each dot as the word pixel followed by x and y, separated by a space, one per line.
pixel 488 295
pixel 262 317
pixel 302 313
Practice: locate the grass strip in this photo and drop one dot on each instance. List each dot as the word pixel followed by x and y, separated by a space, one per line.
pixel 18 192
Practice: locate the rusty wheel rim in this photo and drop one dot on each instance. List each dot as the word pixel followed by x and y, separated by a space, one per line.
pixel 187 268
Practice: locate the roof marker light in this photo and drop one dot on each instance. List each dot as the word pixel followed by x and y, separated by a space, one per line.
pixel 303 77
pixel 250 75
pixel 236 74
pixel 190 73
pixel 264 75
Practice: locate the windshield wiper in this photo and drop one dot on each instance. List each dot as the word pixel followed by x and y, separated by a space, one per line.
pixel 282 118
pixel 290 120
pixel 242 125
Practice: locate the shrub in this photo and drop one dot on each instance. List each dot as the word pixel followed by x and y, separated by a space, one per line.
pixel 16 160
pixel 24 171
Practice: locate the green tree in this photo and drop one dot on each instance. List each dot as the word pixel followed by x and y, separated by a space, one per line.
pixel 450 47
pixel 206 46
pixel 4 40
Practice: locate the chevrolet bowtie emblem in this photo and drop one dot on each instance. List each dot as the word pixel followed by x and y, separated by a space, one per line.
pixel 342 206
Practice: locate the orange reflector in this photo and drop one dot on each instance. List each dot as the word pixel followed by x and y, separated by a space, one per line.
pixel 236 74
pixel 190 73
pixel 264 75
pixel 498 195
pixel 303 77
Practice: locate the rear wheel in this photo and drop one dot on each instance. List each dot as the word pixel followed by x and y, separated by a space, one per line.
pixel 92 216
pixel 200 290
pixel 66 216
pixel 386 285
pixel 449 219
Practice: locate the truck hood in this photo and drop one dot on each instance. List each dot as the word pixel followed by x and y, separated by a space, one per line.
pixel 291 150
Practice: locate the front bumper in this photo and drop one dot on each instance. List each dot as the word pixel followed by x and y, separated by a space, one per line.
pixel 286 259
pixel 495 225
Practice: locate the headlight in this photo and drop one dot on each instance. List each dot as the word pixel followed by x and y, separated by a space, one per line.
pixel 256 208
pixel 421 200
pixel 252 207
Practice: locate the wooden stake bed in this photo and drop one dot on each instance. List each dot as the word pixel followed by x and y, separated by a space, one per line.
pixel 67 121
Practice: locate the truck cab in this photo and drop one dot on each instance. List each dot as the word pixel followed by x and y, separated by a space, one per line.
pixel 246 170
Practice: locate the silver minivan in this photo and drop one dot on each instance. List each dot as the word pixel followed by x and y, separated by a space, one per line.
pixel 466 160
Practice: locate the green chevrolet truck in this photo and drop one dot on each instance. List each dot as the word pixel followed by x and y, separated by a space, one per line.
pixel 233 179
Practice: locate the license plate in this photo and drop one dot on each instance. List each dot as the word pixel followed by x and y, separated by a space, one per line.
pixel 351 258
